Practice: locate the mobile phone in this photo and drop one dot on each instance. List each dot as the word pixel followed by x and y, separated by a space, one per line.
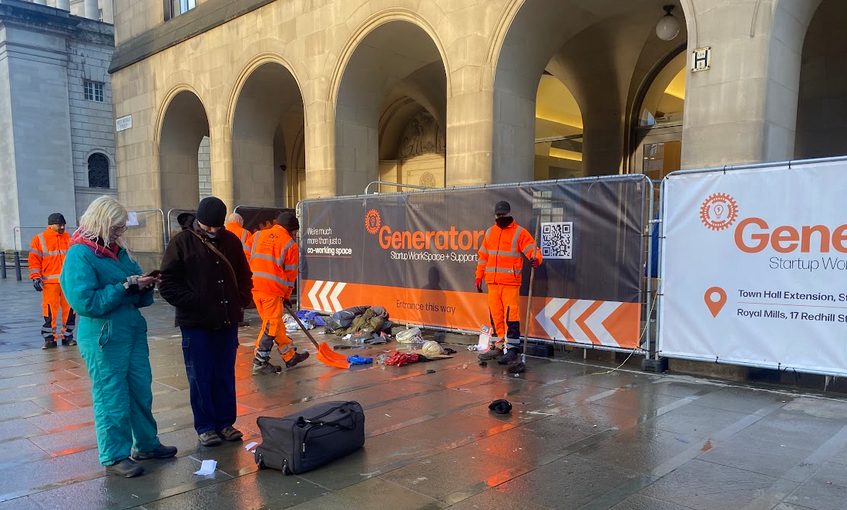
pixel 154 274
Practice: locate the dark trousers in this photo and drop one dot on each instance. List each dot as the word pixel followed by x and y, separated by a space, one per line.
pixel 210 365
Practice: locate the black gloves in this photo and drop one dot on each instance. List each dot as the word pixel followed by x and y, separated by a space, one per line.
pixel 38 283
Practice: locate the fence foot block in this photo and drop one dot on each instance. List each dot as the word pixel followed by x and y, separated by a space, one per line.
pixel 654 365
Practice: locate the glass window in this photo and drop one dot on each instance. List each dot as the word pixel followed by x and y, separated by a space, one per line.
pixel 98 171
pixel 93 90
pixel 177 7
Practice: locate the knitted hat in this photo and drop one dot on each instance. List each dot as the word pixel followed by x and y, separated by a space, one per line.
pixel 502 207
pixel 501 406
pixel 288 221
pixel 211 212
pixel 56 219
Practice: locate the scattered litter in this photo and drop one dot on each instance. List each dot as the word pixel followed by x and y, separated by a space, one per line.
pixel 472 348
pixel 386 414
pixel 430 371
pixel 594 426
pixel 464 366
pixel 135 496
pixel 483 363
pixel 250 446
pixel 681 440
pixel 207 468
pixel 359 360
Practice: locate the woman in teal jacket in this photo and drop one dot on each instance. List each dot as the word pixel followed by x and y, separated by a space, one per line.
pixel 103 284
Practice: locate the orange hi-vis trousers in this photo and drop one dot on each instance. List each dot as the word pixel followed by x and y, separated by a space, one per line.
pixel 271 310
pixel 504 308
pixel 53 306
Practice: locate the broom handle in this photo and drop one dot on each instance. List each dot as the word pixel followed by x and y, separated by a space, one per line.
pixel 302 327
pixel 531 280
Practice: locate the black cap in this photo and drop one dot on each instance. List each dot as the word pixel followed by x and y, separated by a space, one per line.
pixel 501 405
pixel 56 219
pixel 288 221
pixel 502 207
pixel 211 212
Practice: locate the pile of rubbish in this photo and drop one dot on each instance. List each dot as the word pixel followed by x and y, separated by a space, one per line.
pixel 361 325
pixel 309 319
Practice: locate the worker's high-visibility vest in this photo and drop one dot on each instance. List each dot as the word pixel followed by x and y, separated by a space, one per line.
pixel 47 254
pixel 273 259
pixel 502 254
pixel 243 235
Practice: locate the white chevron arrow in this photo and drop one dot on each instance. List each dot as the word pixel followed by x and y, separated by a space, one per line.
pixel 324 294
pixel 333 298
pixel 313 294
pixel 595 323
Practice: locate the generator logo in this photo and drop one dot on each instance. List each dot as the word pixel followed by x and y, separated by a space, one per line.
pixel 719 211
pixel 372 221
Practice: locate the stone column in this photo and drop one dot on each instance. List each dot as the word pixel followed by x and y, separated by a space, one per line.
pixel 41 2
pixel 65 5
pixel 744 108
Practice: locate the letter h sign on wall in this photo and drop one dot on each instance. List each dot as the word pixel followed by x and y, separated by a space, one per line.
pixel 701 59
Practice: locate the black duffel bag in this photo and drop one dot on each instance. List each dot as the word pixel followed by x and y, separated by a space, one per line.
pixel 311 438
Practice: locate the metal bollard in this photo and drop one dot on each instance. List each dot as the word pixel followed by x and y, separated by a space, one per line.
pixel 18 266
pixel 3 265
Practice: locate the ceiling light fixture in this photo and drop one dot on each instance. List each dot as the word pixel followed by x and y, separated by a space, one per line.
pixel 668 26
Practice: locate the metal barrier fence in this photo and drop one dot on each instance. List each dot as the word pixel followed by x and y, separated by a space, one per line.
pixel 414 253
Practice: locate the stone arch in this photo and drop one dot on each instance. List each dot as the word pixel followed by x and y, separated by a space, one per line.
pixel 597 50
pixel 266 116
pixel 374 103
pixel 822 97
pixel 183 124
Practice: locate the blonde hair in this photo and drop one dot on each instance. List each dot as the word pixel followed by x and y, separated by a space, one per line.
pixel 97 221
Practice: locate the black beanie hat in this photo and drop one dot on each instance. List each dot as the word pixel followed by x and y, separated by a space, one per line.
pixel 501 406
pixel 56 219
pixel 211 212
pixel 288 221
pixel 502 207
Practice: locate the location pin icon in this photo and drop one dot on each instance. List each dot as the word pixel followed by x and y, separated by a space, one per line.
pixel 715 298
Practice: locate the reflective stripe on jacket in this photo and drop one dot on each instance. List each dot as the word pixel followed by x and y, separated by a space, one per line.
pixel 47 254
pixel 243 235
pixel 502 254
pixel 273 259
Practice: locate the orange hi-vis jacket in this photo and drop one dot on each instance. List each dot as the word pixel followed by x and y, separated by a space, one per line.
pixel 47 254
pixel 502 252
pixel 273 259
pixel 243 234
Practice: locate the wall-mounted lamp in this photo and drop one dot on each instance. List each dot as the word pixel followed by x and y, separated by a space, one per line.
pixel 668 26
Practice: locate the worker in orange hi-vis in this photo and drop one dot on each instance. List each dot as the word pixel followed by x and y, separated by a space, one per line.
pixel 501 263
pixel 274 256
pixel 235 224
pixel 46 256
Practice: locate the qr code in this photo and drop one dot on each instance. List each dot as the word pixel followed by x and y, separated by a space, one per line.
pixel 557 240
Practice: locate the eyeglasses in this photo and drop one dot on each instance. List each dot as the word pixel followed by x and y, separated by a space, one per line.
pixel 117 230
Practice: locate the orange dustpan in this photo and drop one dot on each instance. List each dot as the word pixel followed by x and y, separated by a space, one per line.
pixel 325 353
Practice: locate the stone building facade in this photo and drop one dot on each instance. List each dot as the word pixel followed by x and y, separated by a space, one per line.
pixel 300 98
pixel 57 143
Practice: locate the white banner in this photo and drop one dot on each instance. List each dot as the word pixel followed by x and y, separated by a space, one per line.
pixel 754 267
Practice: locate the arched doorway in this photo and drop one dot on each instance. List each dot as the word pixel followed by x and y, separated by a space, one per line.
pixel 391 111
pixel 601 53
pixel 657 129
pixel 268 158
pixel 822 99
pixel 558 131
pixel 183 128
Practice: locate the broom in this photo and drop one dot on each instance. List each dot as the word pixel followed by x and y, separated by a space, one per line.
pixel 520 366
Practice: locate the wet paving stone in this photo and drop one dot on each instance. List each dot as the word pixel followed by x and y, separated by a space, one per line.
pixel 580 435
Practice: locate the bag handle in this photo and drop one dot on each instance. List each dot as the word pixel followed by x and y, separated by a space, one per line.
pixel 301 421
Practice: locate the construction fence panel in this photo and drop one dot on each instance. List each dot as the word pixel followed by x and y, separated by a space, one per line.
pixel 753 265
pixel 415 253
